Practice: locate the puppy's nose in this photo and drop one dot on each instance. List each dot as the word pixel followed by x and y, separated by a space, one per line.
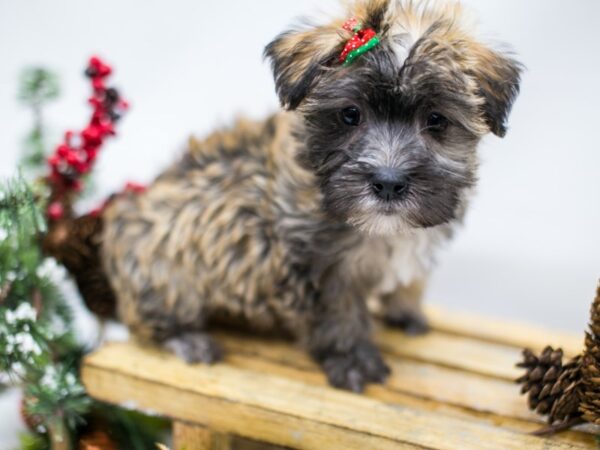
pixel 389 184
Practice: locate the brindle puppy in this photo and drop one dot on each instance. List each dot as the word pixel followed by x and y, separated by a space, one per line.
pixel 295 221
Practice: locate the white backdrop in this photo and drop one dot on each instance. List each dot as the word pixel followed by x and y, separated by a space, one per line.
pixel 530 249
pixel 531 245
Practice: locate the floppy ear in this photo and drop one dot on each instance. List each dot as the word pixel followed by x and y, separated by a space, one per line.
pixel 498 76
pixel 299 57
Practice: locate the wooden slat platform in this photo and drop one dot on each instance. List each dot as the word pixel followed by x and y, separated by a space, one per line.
pixel 451 389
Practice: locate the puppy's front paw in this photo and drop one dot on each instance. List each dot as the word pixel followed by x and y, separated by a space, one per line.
pixel 413 323
pixel 195 347
pixel 352 370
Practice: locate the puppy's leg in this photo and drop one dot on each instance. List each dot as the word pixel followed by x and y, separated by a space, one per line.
pixel 194 347
pixel 402 308
pixel 338 338
pixel 175 328
pixel 156 271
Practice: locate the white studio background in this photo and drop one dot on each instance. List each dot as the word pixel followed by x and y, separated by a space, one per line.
pixel 530 248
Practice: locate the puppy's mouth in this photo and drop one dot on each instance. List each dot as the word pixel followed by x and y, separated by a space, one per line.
pixel 389 208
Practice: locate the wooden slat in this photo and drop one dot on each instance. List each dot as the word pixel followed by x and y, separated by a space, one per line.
pixel 449 350
pixel 421 385
pixel 442 384
pixel 280 410
pixel 505 332
pixel 487 358
pixel 195 437
pixel 389 394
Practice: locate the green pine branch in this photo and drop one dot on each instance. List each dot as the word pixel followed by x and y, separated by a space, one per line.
pixel 38 349
pixel 34 441
pixel 38 86
pixel 36 337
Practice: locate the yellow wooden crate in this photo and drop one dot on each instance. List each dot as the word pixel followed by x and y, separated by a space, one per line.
pixel 450 389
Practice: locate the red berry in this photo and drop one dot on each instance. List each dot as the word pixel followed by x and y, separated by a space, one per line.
pixel 98 84
pixel 95 102
pixel 77 185
pixel 55 211
pixel 91 135
pixel 101 69
pixel 77 154
pixel 53 160
pixel 63 150
pixel 135 187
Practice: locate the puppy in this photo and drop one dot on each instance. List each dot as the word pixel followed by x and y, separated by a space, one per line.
pixel 294 222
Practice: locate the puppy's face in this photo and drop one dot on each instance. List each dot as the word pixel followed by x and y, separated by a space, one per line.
pixel 392 138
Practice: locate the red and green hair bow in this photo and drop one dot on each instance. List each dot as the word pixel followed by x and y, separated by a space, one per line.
pixel 363 40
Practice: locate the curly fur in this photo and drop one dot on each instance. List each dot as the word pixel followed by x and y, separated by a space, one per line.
pixel 274 223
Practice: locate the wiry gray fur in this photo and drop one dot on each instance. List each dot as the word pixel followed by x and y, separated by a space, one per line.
pixel 277 225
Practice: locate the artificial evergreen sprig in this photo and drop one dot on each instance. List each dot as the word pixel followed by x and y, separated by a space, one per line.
pixel 38 86
pixel 38 349
pixel 17 203
pixel 35 332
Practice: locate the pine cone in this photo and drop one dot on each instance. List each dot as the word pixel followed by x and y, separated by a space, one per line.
pixel 590 396
pixel 97 440
pixel 554 388
pixel 31 421
pixel 75 243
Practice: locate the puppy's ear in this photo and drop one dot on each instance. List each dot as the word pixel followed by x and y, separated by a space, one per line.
pixel 299 57
pixel 499 77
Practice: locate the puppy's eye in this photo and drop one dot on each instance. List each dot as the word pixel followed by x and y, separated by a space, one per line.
pixel 350 116
pixel 437 123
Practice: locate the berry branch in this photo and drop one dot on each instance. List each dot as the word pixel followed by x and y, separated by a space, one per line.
pixel 75 157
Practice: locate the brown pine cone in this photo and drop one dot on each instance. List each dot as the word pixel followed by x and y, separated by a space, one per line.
pixel 97 440
pixel 590 397
pixel 75 243
pixel 553 388
pixel 31 421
